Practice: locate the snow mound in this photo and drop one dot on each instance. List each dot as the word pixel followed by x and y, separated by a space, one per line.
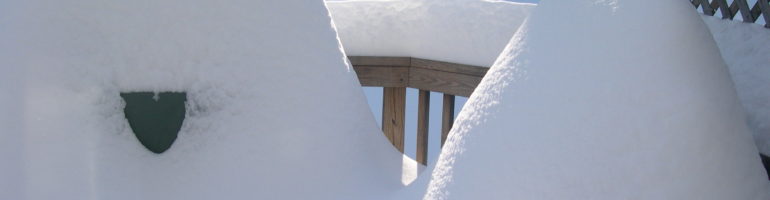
pixel 11 150
pixel 470 32
pixel 744 47
pixel 273 112
pixel 610 102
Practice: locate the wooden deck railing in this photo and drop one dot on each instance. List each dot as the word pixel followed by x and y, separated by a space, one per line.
pixel 728 11
pixel 395 74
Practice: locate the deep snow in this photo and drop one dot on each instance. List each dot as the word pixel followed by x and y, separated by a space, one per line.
pixel 745 48
pixel 462 31
pixel 470 32
pixel 638 105
pixel 435 30
pixel 274 110
pixel 64 136
pixel 11 118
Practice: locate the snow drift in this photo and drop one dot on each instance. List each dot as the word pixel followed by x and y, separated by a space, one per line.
pixel 611 102
pixel 273 111
pixel 470 32
pixel 744 47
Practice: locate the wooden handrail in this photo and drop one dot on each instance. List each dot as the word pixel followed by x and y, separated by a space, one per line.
pixel 395 74
pixel 437 76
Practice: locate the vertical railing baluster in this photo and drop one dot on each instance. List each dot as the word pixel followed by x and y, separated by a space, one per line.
pixel 423 115
pixel 447 116
pixel 393 110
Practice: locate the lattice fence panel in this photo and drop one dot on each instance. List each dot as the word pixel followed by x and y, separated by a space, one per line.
pixel 729 10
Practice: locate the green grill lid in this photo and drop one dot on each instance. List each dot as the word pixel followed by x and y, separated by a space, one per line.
pixel 155 118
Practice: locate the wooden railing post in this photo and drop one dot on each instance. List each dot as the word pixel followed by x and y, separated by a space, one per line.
pixel 423 115
pixel 393 110
pixel 447 116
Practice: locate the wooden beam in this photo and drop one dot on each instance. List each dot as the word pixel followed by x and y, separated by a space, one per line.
pixel 423 116
pixel 449 67
pixel 438 76
pixel 447 116
pixel 445 82
pixel 380 61
pixel 393 110
pixel 382 76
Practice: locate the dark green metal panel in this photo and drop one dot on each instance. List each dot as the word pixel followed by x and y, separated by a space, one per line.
pixel 155 120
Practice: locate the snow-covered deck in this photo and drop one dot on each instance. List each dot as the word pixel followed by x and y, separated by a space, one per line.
pixel 635 105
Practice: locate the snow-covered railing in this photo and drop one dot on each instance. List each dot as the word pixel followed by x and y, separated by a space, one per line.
pixel 729 11
pixel 395 74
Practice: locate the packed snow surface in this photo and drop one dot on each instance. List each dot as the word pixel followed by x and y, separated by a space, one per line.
pixel 273 112
pixel 745 48
pixel 470 32
pixel 638 105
